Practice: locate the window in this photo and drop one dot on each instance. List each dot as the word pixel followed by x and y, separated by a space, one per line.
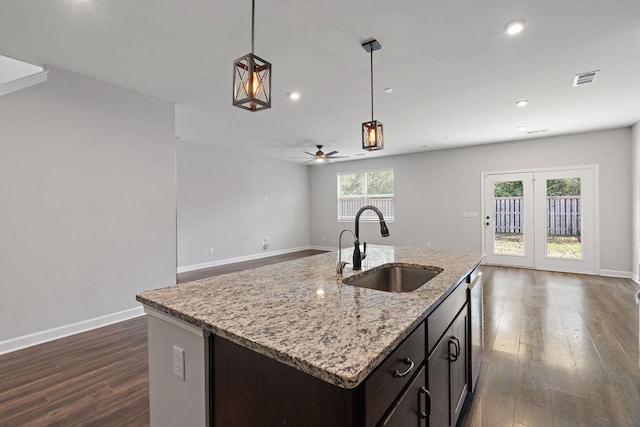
pixel 356 190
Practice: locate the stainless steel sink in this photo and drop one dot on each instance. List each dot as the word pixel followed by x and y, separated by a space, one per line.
pixel 394 278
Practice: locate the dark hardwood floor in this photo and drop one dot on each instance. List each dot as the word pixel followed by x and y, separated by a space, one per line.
pixel 96 378
pixel 190 276
pixel 560 350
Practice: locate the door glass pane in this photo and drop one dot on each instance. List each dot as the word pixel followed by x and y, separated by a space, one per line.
pixel 508 221
pixel 564 218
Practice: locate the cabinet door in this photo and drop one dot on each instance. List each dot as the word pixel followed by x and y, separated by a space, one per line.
pixel 438 383
pixel 458 364
pixel 411 409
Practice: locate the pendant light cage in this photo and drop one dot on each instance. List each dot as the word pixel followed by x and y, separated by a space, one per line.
pixel 372 136
pixel 251 83
pixel 372 131
pixel 252 77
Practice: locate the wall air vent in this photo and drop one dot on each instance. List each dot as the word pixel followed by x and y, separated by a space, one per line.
pixel 537 131
pixel 584 78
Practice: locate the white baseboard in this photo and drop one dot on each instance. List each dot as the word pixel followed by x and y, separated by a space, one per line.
pixel 616 273
pixel 225 261
pixel 324 248
pixel 18 343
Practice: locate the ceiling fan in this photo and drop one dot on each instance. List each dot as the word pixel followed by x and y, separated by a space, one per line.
pixel 320 156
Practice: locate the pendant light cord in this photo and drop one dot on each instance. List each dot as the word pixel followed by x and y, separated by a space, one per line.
pixel 253 21
pixel 372 83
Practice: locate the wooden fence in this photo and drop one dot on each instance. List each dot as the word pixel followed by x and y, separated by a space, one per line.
pixel 508 215
pixel 563 215
pixel 348 207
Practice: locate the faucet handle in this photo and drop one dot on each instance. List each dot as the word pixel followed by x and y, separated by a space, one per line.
pixel 340 268
pixel 364 249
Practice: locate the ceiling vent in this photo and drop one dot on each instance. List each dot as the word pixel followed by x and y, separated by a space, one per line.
pixel 537 131
pixel 585 78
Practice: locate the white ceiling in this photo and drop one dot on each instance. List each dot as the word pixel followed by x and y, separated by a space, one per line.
pixel 456 75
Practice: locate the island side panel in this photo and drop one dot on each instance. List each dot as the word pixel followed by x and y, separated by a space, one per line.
pixel 250 389
pixel 173 401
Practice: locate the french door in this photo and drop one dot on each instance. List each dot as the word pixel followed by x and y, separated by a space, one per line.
pixel 542 219
pixel 509 215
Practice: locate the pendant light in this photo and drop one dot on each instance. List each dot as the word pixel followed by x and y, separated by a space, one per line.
pixel 372 132
pixel 252 77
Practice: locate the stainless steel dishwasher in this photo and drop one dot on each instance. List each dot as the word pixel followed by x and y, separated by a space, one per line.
pixel 476 326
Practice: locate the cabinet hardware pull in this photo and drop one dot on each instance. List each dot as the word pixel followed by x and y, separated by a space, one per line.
pixel 453 355
pixel 427 403
pixel 409 362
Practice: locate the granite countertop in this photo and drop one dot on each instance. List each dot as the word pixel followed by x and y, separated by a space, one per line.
pixel 299 313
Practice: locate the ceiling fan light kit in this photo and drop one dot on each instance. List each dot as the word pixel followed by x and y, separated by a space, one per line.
pixel 372 131
pixel 252 78
pixel 320 156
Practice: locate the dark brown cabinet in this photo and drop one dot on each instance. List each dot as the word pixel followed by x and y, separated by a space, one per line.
pixel 422 383
pixel 411 410
pixel 447 367
pixel 387 382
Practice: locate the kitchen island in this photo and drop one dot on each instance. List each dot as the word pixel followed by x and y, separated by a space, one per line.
pixel 296 319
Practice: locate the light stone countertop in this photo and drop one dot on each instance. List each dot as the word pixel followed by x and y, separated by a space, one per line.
pixel 299 313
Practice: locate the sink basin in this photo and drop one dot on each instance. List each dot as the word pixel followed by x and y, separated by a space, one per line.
pixel 394 278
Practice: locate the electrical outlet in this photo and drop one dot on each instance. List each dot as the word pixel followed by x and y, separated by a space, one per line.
pixel 178 362
pixel 428 244
pixel 265 244
pixel 210 251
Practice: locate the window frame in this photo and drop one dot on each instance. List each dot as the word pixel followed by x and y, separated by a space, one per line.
pixel 365 197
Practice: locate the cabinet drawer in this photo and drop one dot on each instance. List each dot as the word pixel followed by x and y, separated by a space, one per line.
pixel 411 408
pixel 440 319
pixel 384 385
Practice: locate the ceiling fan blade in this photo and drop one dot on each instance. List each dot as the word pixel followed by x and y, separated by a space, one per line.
pixel 340 157
pixel 331 153
pixel 311 154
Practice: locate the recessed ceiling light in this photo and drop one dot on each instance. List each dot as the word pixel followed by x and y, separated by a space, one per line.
pixel 294 96
pixel 514 27
pixel 522 103
pixel 522 128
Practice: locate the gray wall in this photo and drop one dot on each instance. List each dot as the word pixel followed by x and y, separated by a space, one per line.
pixel 87 202
pixel 222 206
pixel 635 199
pixel 434 188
